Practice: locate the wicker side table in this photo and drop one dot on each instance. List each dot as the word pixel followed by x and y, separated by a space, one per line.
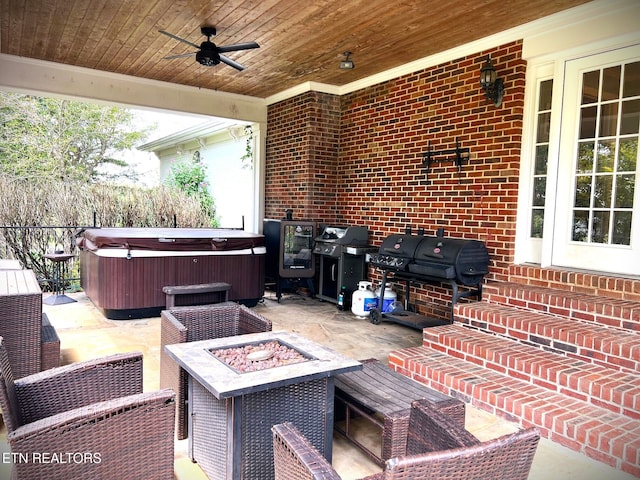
pixel 21 320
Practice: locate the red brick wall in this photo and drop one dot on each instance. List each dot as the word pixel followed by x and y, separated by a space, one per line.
pixel 302 154
pixel 373 174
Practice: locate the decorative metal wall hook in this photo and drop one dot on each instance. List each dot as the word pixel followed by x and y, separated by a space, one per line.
pixel 431 157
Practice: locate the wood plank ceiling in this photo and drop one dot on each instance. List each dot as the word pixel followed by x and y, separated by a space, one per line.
pixel 299 41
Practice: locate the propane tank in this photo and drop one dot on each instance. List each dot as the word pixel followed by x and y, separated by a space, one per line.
pixel 389 297
pixel 363 299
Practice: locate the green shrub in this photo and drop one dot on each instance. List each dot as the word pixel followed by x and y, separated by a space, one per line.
pixel 189 176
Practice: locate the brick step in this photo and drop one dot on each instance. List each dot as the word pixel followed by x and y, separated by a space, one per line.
pixel 597 432
pixel 600 310
pixel 614 390
pixel 610 347
pixel 593 283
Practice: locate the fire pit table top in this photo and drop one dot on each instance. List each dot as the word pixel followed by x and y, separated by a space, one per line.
pixel 225 382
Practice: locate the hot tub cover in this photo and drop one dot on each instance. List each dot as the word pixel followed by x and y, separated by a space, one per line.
pixel 168 239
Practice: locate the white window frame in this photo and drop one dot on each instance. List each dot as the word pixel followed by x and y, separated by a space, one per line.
pixel 548 66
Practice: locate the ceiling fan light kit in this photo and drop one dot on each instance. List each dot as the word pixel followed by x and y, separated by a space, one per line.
pixel 209 54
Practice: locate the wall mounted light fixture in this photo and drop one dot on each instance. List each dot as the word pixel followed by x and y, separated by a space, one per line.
pixel 492 85
pixel 347 64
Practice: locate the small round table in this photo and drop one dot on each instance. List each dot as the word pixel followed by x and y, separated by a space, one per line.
pixel 59 272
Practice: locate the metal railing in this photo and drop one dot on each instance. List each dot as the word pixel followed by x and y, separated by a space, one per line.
pixel 29 245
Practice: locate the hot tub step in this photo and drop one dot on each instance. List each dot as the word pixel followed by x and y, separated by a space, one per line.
pixel 174 290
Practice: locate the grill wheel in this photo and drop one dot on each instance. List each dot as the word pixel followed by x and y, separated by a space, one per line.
pixel 375 316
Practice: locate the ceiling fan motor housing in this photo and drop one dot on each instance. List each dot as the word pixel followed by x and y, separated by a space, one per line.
pixel 208 55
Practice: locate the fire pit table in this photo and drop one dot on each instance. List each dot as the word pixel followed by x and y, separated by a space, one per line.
pixel 234 402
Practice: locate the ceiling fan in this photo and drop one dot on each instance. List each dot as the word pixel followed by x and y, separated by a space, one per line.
pixel 209 54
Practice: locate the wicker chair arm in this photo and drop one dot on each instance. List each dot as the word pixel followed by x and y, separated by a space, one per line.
pixel 171 327
pixel 251 322
pixel 431 430
pixel 396 426
pixel 394 438
pixel 508 457
pixel 296 459
pixel 172 331
pixel 64 388
pixel 129 437
pixel 452 408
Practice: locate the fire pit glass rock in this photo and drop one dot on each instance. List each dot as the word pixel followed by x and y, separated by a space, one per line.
pixel 258 356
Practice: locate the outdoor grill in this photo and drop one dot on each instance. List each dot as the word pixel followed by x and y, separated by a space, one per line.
pixel 438 259
pixel 341 251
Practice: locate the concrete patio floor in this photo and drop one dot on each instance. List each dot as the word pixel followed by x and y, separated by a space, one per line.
pixel 85 333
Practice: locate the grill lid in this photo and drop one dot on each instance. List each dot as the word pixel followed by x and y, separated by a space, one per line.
pixel 396 252
pixel 445 250
pixel 400 245
pixel 465 261
pixel 331 234
pixel 351 235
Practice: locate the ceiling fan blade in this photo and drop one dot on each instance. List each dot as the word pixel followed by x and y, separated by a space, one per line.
pixel 182 55
pixel 231 63
pixel 238 46
pixel 179 39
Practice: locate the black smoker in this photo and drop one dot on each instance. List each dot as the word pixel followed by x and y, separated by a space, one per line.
pixel 289 258
pixel 417 258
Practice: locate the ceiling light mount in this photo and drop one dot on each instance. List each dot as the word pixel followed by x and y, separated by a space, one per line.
pixel 492 85
pixel 347 64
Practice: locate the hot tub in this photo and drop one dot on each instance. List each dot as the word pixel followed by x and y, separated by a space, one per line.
pixel 123 270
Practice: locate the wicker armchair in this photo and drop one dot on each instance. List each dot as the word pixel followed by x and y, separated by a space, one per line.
pixel 436 448
pixel 87 420
pixel 190 324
